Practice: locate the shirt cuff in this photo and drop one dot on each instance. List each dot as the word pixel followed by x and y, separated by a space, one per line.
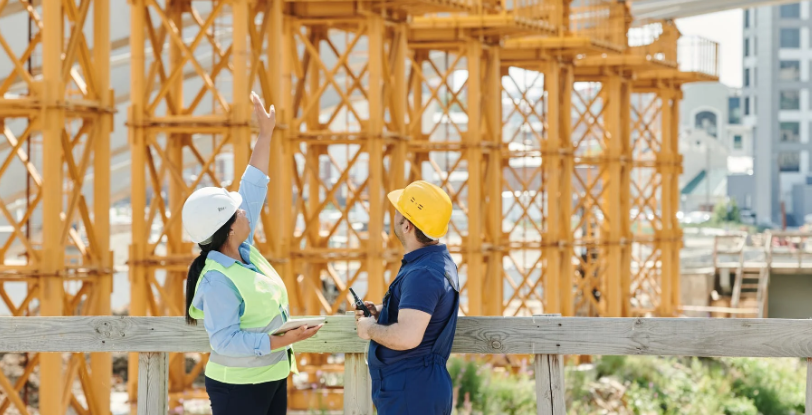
pixel 255 177
pixel 263 345
pixel 424 309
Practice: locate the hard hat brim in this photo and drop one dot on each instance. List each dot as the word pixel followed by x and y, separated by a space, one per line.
pixel 237 198
pixel 394 197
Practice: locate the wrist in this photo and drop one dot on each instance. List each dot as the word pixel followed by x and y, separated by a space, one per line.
pixel 278 342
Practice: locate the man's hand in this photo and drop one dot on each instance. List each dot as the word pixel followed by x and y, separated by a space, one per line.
pixel 265 119
pixel 373 309
pixel 363 325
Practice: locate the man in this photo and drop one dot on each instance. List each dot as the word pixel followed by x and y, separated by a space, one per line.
pixel 412 331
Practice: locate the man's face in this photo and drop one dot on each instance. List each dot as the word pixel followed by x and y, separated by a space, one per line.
pixel 397 226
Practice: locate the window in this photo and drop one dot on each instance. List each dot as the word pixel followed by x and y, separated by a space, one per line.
pixel 789 161
pixel 790 100
pixel 747 106
pixel 790 132
pixel 755 76
pixel 734 110
pixel 746 47
pixel 755 105
pixel 746 18
pixel 789 71
pixel 790 11
pixel 755 46
pixel 706 121
pixel 790 38
pixel 737 142
pixel 746 76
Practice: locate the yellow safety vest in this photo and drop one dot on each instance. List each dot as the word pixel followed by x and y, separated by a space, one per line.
pixel 266 309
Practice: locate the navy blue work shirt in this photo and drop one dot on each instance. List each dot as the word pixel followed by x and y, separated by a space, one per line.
pixel 421 284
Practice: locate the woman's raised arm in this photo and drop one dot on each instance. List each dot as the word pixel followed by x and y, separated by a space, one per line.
pixel 261 156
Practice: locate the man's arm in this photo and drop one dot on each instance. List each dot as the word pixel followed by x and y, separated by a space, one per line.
pixel 406 334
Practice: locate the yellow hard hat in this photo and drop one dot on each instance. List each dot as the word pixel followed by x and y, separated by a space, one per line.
pixel 427 206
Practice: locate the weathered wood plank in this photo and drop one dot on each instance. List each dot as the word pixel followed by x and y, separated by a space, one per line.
pixel 357 382
pixel 549 371
pixel 557 382
pixel 634 336
pixel 808 408
pixel 479 335
pixel 153 383
pixel 544 390
pixel 357 385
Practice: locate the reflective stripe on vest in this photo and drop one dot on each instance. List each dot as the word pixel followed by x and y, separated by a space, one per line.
pixel 255 361
pixel 266 308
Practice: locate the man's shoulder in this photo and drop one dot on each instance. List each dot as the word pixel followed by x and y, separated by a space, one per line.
pixel 427 276
pixel 426 271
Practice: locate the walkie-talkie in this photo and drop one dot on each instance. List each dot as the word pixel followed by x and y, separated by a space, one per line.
pixel 359 305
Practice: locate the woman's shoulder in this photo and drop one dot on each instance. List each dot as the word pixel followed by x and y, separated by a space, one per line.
pixel 216 280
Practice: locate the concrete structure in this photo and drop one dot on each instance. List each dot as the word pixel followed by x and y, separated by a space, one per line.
pixel 714 144
pixel 776 102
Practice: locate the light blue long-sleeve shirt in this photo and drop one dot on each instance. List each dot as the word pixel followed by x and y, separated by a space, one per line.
pixel 219 298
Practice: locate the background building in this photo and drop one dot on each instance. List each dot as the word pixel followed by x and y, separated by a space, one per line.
pixel 715 145
pixel 776 103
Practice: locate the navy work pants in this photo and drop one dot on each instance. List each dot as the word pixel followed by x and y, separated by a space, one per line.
pixel 269 398
pixel 422 390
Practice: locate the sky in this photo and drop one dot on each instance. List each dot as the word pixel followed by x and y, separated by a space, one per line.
pixel 726 29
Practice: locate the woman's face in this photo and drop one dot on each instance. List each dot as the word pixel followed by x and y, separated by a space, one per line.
pixel 241 228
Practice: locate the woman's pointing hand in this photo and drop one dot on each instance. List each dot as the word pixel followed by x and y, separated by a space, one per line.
pixel 265 119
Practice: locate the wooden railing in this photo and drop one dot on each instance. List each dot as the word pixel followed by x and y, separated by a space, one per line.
pixel 548 338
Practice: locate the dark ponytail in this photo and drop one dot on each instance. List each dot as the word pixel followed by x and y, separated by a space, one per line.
pixel 217 241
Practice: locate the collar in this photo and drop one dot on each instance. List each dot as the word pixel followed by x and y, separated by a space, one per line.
pixel 225 260
pixel 416 254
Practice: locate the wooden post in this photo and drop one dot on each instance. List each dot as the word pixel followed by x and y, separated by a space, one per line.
pixel 808 409
pixel 549 370
pixel 153 383
pixel 357 384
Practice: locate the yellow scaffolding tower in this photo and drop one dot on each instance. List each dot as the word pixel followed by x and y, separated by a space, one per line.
pixel 551 125
pixel 55 123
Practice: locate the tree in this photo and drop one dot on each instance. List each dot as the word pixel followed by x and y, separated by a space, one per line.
pixel 726 212
pixel 734 214
pixel 719 213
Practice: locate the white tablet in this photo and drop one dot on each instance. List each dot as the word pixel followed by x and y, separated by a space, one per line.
pixel 296 323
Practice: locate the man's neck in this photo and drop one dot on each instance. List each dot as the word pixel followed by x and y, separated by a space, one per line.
pixel 414 246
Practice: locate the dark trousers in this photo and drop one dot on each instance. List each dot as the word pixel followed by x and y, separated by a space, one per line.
pixel 269 398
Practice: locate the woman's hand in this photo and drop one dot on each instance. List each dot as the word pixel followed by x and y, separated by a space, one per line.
pixel 265 119
pixel 294 336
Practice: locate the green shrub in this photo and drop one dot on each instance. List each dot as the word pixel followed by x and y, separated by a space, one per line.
pixel 643 386
pixel 467 377
pixel 775 386
pixel 510 395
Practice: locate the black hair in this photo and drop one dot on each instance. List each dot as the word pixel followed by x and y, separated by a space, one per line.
pixel 217 241
pixel 421 237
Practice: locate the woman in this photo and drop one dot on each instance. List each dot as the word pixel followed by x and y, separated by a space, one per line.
pixel 237 293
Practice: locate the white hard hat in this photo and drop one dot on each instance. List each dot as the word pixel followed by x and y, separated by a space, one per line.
pixel 207 210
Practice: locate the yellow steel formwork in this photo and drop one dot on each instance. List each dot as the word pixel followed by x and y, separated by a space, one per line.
pixel 564 185
pixel 55 122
